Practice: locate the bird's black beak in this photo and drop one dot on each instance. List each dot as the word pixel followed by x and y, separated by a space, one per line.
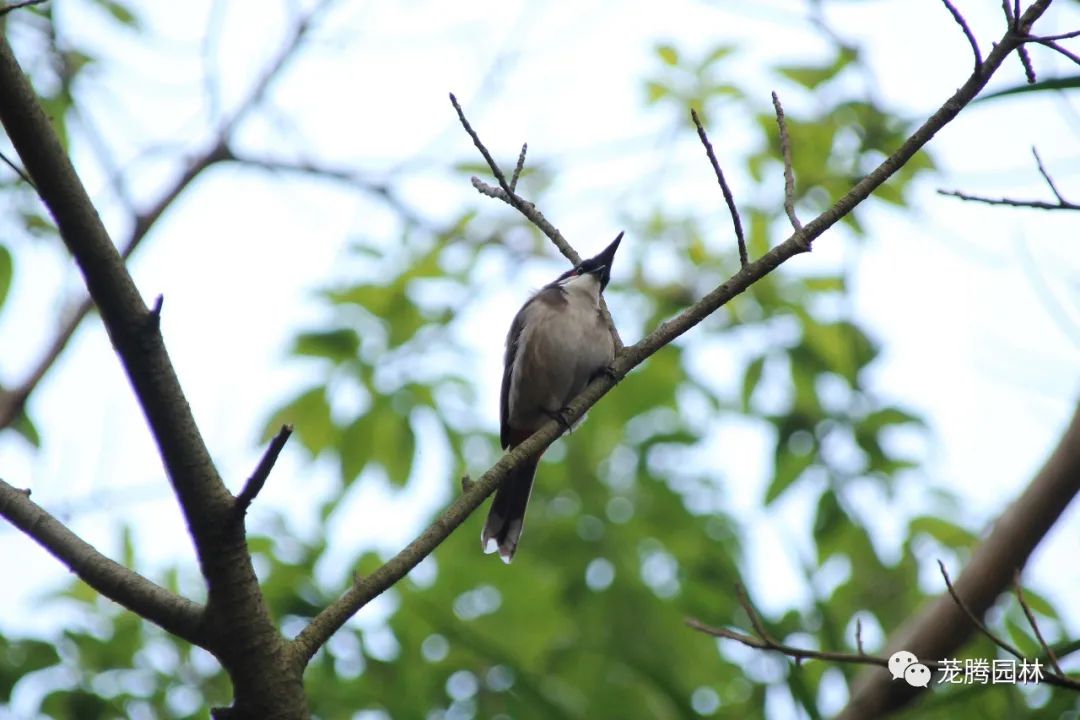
pixel 605 258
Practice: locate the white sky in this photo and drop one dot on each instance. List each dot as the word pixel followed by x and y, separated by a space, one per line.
pixel 958 294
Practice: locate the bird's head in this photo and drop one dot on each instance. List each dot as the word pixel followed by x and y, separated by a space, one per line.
pixel 599 266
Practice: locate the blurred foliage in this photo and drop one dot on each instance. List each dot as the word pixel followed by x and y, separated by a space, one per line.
pixel 627 530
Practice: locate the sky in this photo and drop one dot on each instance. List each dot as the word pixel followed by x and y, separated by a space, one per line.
pixel 977 308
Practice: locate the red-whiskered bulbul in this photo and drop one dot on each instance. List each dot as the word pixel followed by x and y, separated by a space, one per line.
pixel 557 343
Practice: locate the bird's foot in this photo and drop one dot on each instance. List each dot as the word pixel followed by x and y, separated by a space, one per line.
pixel 561 416
pixel 607 371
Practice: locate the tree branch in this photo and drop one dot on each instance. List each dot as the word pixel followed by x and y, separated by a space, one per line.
pixel 942 627
pixel 740 238
pixel 967 32
pixel 242 634
pixel 14 401
pixel 363 590
pixel 1061 204
pixel 18 5
pixel 173 613
pixel 258 478
pixel 789 171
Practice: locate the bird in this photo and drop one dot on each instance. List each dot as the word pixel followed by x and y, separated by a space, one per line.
pixel 557 343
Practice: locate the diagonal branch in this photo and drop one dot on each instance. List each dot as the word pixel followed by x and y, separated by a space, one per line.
pixel 4 10
pixel 942 627
pixel 363 590
pixel 13 401
pixel 171 612
pixel 244 639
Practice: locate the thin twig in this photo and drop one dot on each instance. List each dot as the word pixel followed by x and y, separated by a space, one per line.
pixel 967 32
pixel 1056 46
pixel 858 636
pixel 792 651
pixel 510 197
pixel 797 653
pixel 789 171
pixel 729 198
pixel 13 401
pixel 1010 202
pixel 975 618
pixel 518 167
pixel 258 478
pixel 18 5
pixel 1034 625
pixel 1046 176
pixel 18 170
pixel 751 612
pixel 1059 36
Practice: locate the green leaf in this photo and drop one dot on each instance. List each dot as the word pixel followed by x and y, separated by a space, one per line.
pixel 751 378
pixel 7 269
pixel 23 425
pixel 947 533
pixel 121 13
pixel 655 92
pixel 309 414
pixel 1053 84
pixel 668 54
pixel 888 416
pixel 825 283
pixel 23 657
pixel 718 53
pixel 339 345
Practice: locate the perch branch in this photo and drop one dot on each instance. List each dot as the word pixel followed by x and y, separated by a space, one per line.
pixel 337 613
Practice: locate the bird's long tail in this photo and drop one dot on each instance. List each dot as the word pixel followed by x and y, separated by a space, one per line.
pixel 507 514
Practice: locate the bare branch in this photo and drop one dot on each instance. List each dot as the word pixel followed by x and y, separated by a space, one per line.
pixel 244 640
pixel 508 195
pixel 1046 176
pixel 124 586
pixel 14 401
pixel 940 628
pixel 337 613
pixel 789 172
pixel 1034 625
pixel 18 5
pixel 975 618
pixel 1053 45
pixel 729 198
pixel 1035 204
pixel 1059 36
pixel 798 653
pixel 792 651
pixel 518 167
pixel 255 483
pixel 967 32
pixel 18 170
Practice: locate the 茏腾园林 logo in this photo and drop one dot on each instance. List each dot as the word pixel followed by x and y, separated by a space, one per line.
pixel 970 671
